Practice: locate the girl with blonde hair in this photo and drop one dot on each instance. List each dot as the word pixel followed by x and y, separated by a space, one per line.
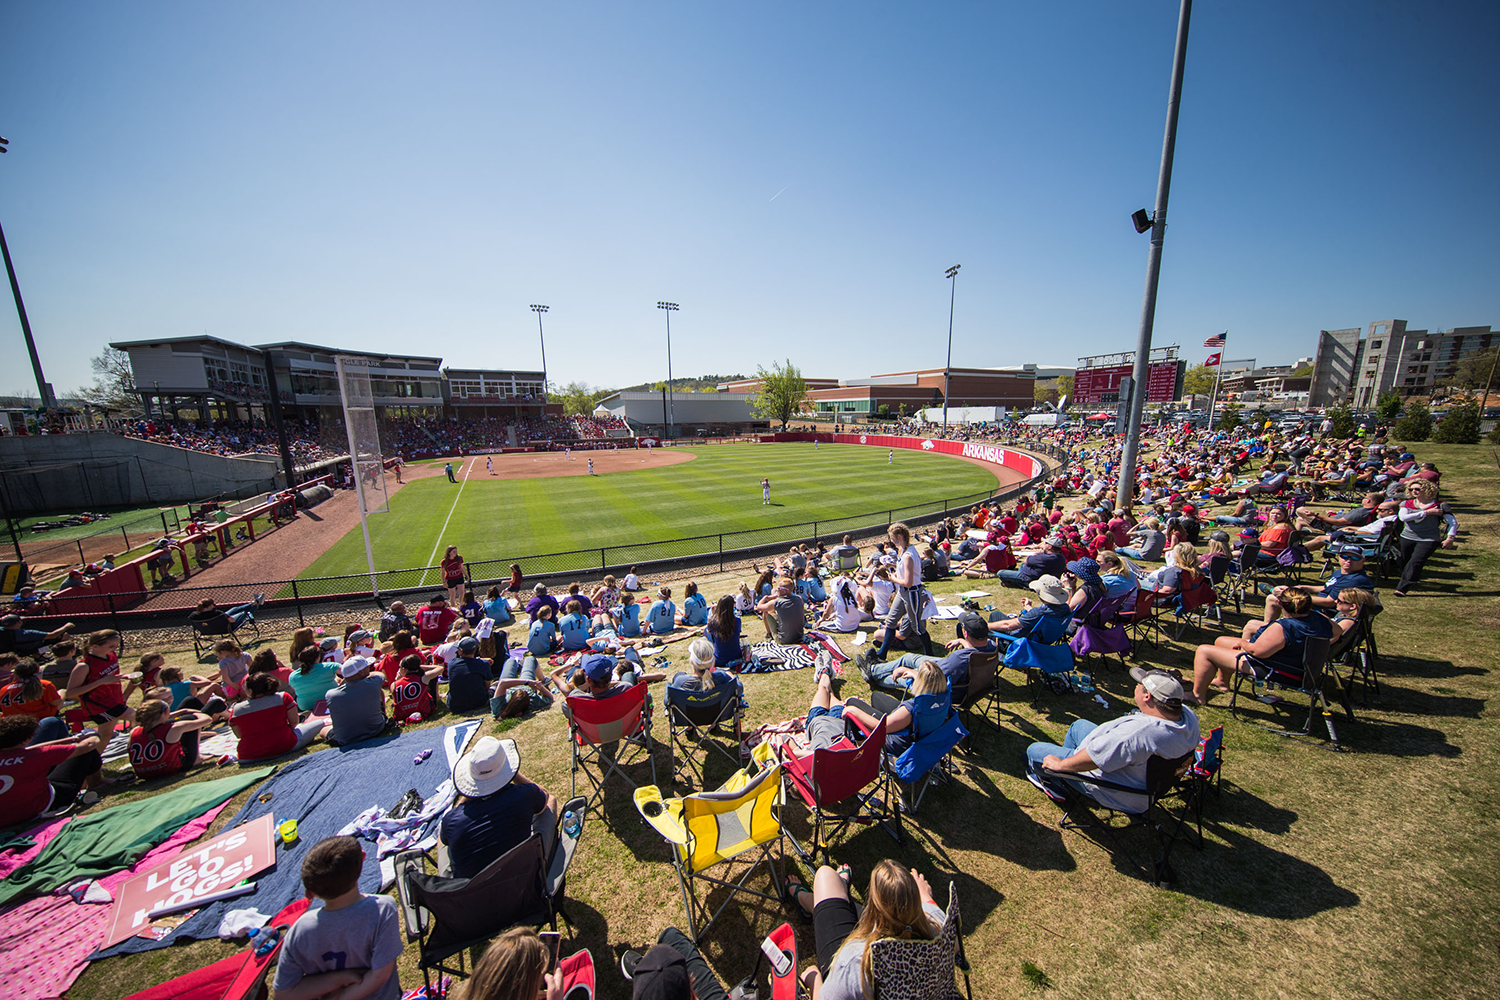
pixel 514 967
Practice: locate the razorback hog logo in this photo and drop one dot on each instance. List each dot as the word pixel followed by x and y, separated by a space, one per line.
pixel 928 445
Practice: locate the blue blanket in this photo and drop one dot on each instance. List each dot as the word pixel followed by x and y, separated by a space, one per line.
pixel 323 791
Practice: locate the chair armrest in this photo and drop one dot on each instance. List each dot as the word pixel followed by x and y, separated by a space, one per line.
pixel 663 815
pixel 413 917
pixel 1089 779
pixel 562 854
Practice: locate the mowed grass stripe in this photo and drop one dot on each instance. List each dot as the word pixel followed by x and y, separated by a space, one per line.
pixel 719 491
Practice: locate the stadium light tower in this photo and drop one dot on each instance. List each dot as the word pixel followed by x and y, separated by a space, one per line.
pixel 667 409
pixel 43 389
pixel 1158 229
pixel 539 310
pixel 952 274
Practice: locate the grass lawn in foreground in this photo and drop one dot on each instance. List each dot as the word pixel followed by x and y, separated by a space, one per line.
pixel 1372 874
pixel 719 490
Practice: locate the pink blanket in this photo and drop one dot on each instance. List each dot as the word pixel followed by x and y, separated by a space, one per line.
pixel 42 833
pixel 45 942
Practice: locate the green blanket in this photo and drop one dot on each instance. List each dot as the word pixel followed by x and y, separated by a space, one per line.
pixel 115 838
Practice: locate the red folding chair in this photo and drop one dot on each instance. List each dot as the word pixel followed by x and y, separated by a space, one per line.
pixel 1144 618
pixel 594 724
pixel 828 778
pixel 578 976
pixel 241 976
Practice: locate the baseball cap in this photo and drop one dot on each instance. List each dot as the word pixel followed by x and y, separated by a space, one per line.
pixel 973 626
pixel 1351 552
pixel 1189 509
pixel 662 975
pixel 598 667
pixel 353 665
pixel 1163 687
pixel 328 642
pixel 438 599
pixel 1249 532
pixel 468 644
pixel 10 620
pixel 360 637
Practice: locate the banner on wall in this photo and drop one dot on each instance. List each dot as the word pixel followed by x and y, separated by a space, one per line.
pixel 1016 461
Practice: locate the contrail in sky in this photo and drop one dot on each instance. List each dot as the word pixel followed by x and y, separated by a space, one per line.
pixel 777 194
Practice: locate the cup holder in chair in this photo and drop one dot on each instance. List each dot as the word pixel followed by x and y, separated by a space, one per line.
pixel 652 809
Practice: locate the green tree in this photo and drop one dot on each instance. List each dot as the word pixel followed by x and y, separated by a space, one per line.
pixel 1389 408
pixel 114 382
pixel 1460 426
pixel 1064 386
pixel 579 398
pixel 1343 421
pixel 1230 418
pixel 1198 381
pixel 1302 371
pixel 1416 424
pixel 1258 418
pixel 1043 392
pixel 1474 371
pixel 783 393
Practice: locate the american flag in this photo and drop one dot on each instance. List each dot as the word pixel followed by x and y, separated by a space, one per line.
pixel 1217 340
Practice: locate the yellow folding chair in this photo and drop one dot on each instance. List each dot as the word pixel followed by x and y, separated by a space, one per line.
pixel 709 829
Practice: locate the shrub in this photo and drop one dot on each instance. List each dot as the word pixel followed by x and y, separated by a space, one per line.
pixel 1230 419
pixel 1416 424
pixel 1389 407
pixel 1343 421
pixel 1460 426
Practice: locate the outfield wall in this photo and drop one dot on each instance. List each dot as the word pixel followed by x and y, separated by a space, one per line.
pixel 1018 462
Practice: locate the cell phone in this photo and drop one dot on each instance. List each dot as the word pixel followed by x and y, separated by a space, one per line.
pixel 781 962
pixel 552 940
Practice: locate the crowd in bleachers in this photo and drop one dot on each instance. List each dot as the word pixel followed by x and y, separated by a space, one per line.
pixel 235 437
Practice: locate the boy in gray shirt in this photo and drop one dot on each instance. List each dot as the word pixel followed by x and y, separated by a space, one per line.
pixel 350 944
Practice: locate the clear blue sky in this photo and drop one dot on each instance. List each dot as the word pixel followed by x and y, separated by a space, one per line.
pixel 410 177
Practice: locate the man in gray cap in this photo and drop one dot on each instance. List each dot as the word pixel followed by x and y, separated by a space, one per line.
pixel 1118 751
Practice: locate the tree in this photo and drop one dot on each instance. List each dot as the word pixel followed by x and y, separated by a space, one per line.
pixel 1389 408
pixel 1044 392
pixel 1416 425
pixel 1198 381
pixel 783 393
pixel 1302 371
pixel 1258 418
pixel 1474 371
pixel 1342 420
pixel 579 398
pixel 1064 386
pixel 1460 426
pixel 1230 418
pixel 114 382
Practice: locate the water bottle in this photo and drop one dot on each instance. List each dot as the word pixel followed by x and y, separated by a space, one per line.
pixel 267 941
pixel 572 823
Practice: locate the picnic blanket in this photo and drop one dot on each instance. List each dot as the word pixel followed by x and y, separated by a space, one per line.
pixel 104 842
pixel 25 842
pixel 768 656
pixel 45 942
pixel 324 792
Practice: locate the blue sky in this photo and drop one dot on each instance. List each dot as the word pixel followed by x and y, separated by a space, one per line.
pixel 797 176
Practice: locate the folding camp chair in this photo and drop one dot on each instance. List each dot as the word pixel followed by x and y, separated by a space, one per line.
pixel 922 763
pixel 1192 604
pixel 1217 572
pixel 1045 660
pixel 785 986
pixel 692 718
pixel 1195 781
pixel 1313 682
pixel 982 670
pixel 1363 657
pixel 447 916
pixel 1099 631
pixel 207 633
pixel 708 829
pixel 1161 775
pixel 596 723
pixel 838 776
pixel 905 969
pixel 1244 574
pixel 1142 619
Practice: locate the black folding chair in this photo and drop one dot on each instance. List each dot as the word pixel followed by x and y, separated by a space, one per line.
pixel 982 670
pixel 693 716
pixel 1313 683
pixel 207 633
pixel 448 916
pixel 1244 574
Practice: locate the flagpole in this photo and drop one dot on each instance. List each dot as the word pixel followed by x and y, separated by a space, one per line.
pixel 1213 394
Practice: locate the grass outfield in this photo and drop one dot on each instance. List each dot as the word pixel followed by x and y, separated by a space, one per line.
pixel 1367 874
pixel 719 490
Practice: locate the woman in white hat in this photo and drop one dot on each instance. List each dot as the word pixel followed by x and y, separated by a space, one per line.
pixel 1054 605
pixel 497 808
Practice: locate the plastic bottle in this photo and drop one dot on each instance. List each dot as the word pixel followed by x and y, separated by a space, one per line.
pixel 572 823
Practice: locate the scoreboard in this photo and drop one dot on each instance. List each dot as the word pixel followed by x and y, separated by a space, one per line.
pixel 1092 386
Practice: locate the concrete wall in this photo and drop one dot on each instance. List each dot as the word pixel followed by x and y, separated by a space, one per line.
pixel 71 472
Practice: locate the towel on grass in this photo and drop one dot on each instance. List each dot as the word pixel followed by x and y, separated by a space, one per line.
pixel 323 791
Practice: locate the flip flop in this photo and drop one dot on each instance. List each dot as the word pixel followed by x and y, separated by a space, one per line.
pixel 792 889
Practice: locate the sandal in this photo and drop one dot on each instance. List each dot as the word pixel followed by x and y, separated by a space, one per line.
pixel 844 872
pixel 793 889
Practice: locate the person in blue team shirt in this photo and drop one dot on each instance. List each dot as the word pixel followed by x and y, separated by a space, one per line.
pixel 694 612
pixel 810 588
pixel 573 628
pixel 471 610
pixel 628 617
pixel 543 635
pixel 662 617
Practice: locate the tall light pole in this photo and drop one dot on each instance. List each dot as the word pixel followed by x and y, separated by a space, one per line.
pixel 667 409
pixel 1157 223
pixel 543 337
pixel 952 274
pixel 43 389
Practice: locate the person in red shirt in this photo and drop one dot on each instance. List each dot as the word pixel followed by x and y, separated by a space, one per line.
pixel 164 742
pixel 415 691
pixel 95 684
pixel 267 724
pixel 43 776
pixel 402 645
pixel 434 620
pixel 453 573
pixel 29 695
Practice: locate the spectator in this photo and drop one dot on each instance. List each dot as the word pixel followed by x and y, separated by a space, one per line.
pixel 606 595
pixel 497 808
pixel 211 619
pixel 312 678
pixel 469 677
pixel 1049 561
pixel 162 743
pixel 497 608
pixel 27 641
pixel 585 604
pixel 234 667
pixel 542 638
pixel 1422 523
pixel 41 776
pixel 348 946
pixel 95 684
pixel 905 721
pixel 573 628
pixel 662 617
pixel 453 573
pixel 672 970
pixel 632 581
pixel 415 691
pixel 1118 751
pixel 1351 575
pixel 514 967
pixel 842 613
pixel 516 579
pixel 784 615
pixel 973 637
pixel 519 688
pixel 194 692
pixel 702 675
pixel 1150 541
pixel 723 630
pixel 434 620
pixel 356 708
pixel 694 607
pixel 1279 644
pixel 629 617
pixel 267 722
pixel 1033 622
pixel 28 694
pixel 393 621
pixel 540 599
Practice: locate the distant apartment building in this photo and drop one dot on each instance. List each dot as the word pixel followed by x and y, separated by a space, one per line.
pixel 1358 367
